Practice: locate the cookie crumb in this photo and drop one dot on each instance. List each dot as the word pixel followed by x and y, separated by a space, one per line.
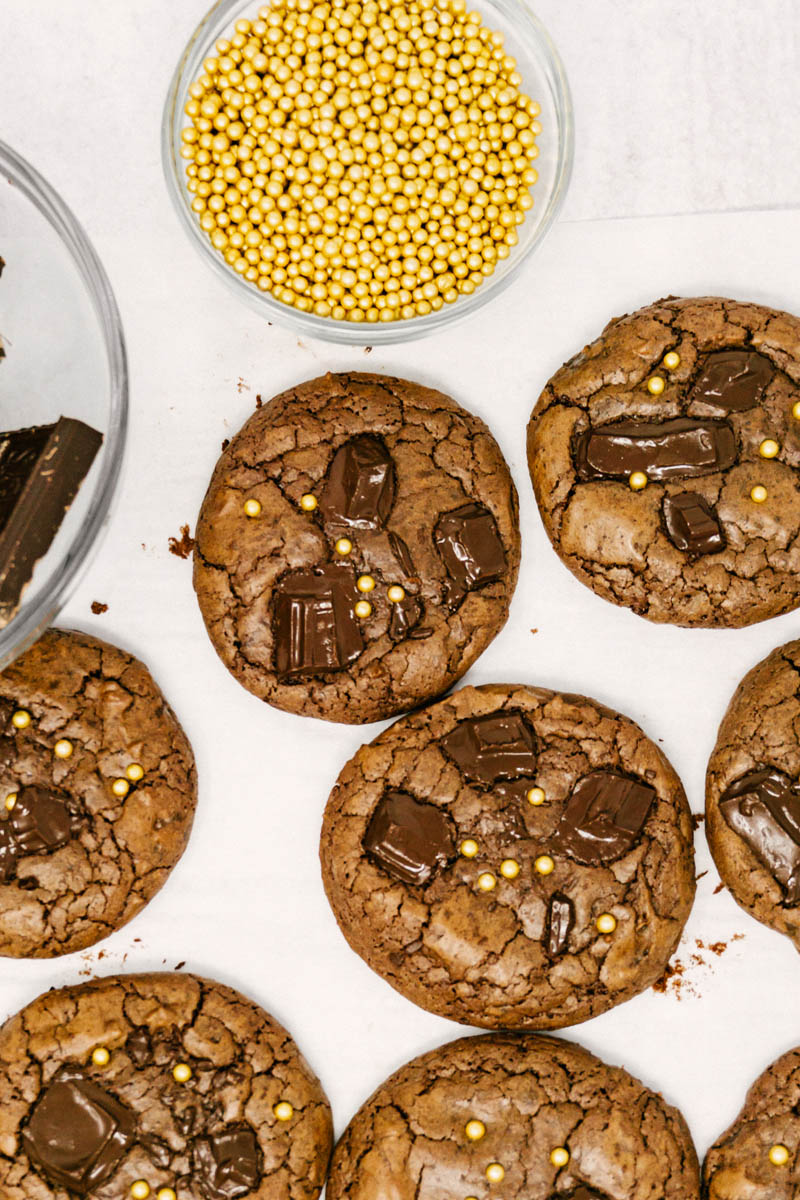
pixel 241 386
pixel 534 631
pixel 182 547
pixel 697 878
pixel 225 443
pixel 259 401
pixel 98 607
pixel 672 979
pixel 368 349
pixel 697 820
pixel 179 966
pixel 719 888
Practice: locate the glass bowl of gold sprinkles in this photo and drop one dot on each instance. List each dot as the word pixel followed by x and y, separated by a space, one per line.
pixel 368 171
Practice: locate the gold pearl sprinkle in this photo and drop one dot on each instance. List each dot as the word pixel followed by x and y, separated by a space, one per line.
pixel 655 385
pixel 796 410
pixel 365 583
pixel 509 868
pixel 363 609
pixel 252 508
pixel 308 502
pixel 475 1130
pixel 101 1057
pixel 559 1156
pixel 758 494
pixel 544 864
pixel 468 848
pixel 778 1155
pixel 63 748
pixel 672 360
pixel 21 719
pixel 637 480
pixel 181 1072
pixel 140 1190
pixel 536 796
pixel 495 1173
pixel 166 1194
pixel 486 881
pixel 135 772
pixel 343 546
pixel 606 923
pixel 120 787
pixel 283 1111
pixel 396 593
pixel 11 801
pixel 769 448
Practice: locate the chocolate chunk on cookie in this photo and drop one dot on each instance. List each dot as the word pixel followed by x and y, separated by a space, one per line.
pixel 357 547
pixel 157 1085
pixel 753 793
pixel 511 857
pixel 514 1115
pixel 665 458
pixel 97 794
pixel 758 1157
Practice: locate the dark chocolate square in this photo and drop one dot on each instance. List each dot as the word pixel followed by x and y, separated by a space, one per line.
pixel 469 543
pixel 763 807
pixel 498 746
pixel 409 838
pixel 227 1164
pixel 314 625
pixel 603 817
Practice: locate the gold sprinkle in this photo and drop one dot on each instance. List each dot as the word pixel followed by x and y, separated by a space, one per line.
pixel 672 360
pixel 396 593
pixel 166 1194
pixel 509 868
pixel 796 410
pixel 559 1156
pixel 283 1111
pixel 343 546
pixel 769 448
pixel 365 583
pixel 468 848
pixel 140 1190
pixel 778 1155
pixel 181 1072
pixel 363 609
pixel 120 787
pixel 637 480
pixel 758 494
pixel 544 864
pixel 536 796
pixel 135 772
pixel 63 748
pixel 252 508
pixel 101 1057
pixel 655 385
pixel 308 502
pixel 21 719
pixel 474 1129
pixel 495 1173
pixel 11 800
pixel 486 881
pixel 606 923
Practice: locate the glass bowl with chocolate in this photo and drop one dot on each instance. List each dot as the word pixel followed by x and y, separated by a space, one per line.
pixel 365 170
pixel 63 402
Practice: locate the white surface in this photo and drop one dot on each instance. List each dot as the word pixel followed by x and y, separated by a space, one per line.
pixel 246 903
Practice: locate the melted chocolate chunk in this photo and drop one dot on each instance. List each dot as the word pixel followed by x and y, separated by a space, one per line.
pixel 405 615
pixel 409 838
pixel 315 628
pixel 78 1134
pixel 39 823
pixel 763 807
pixel 227 1165
pixel 692 524
pixel 560 919
pixel 359 488
pixel 677 449
pixel 499 746
pixel 603 817
pixel 402 555
pixel 469 543
pixel 734 380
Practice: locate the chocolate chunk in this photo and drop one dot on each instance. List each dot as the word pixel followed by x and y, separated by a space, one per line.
pixel 402 554
pixel 603 817
pixel 498 746
pixel 763 807
pixel 692 524
pixel 359 488
pixel 315 627
pixel 734 380
pixel 227 1165
pixel 677 449
pixel 405 615
pixel 41 469
pixel 39 823
pixel 470 546
pixel 409 838
pixel 560 919
pixel 78 1134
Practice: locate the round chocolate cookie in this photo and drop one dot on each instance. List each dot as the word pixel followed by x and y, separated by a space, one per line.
pixel 357 547
pixel 758 1158
pixel 162 1086
pixel 511 857
pixel 97 794
pixel 753 793
pixel 665 461
pixel 514 1115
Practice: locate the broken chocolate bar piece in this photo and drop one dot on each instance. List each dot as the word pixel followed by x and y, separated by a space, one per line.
pixel 499 746
pixel 560 919
pixel 315 627
pixel 409 838
pixel 692 524
pixel 41 469
pixel 227 1164
pixel 733 380
pixel 603 817
pixel 763 807
pixel 676 449
pixel 406 614
pixel 39 823
pixel 470 546
pixel 358 492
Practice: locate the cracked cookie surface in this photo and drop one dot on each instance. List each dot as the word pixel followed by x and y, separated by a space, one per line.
pixel 665 457
pixel 511 857
pixel 165 1080
pixel 758 1157
pixel 753 793
pixel 357 547
pixel 541 1117
pixel 97 794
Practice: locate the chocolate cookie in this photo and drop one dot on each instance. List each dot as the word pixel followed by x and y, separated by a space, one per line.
pixel 511 857
pixel 159 1086
pixel 97 794
pixel 758 1158
pixel 753 793
pixel 357 547
pixel 514 1115
pixel 665 461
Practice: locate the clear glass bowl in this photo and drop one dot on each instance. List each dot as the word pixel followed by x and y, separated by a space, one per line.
pixel 544 79
pixel 65 355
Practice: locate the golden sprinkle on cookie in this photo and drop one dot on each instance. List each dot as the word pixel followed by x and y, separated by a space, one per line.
pixel 11 801
pixel 758 494
pixel 778 1155
pixel 135 772
pixel 559 1156
pixel 495 1173
pixel 252 508
pixel 637 480
pixel 486 881
pixel 475 1129
pixel 655 385
pixel 308 502
pixel 181 1072
pixel 21 719
pixel 120 788
pixel 365 583
pixel 63 748
pixel 769 448
pixel 606 923
pixel 509 868
pixel 544 864
pixel 796 410
pixel 396 593
pixel 672 360
pixel 140 1190
pixel 469 848
pixel 363 609
pixel 101 1057
pixel 166 1194
pixel 283 1111
pixel 343 546
pixel 536 796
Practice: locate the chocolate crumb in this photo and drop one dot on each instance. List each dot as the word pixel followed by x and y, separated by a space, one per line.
pixel 719 888
pixel 697 878
pixel 225 443
pixel 697 820
pixel 672 978
pixel 259 401
pixel 98 607
pixel 182 547
pixel 241 386
pixel 368 349
pixel 179 966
